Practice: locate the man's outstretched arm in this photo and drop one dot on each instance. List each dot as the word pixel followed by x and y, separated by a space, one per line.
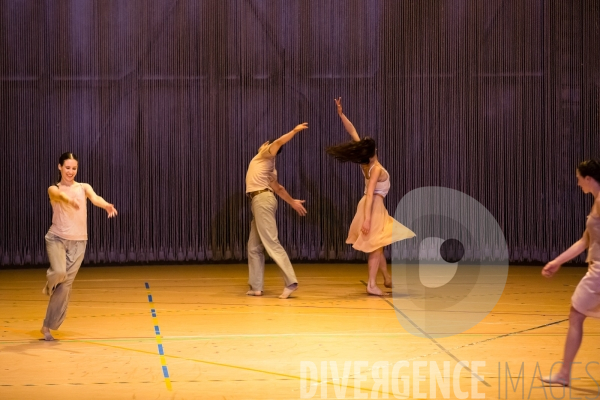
pixel 276 145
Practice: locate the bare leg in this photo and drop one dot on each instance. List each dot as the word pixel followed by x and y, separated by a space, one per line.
pixel 387 279
pixel 374 261
pixel 574 336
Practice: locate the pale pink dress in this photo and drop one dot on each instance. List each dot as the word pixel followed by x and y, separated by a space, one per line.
pixel 586 298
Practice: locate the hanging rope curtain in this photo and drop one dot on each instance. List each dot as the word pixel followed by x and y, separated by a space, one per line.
pixel 165 103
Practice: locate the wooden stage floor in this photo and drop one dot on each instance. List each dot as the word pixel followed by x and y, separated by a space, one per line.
pixel 330 340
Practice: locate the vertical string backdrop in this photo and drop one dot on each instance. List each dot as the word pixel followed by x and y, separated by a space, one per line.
pixel 166 102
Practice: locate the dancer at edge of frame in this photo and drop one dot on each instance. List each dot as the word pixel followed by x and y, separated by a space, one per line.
pixel 372 227
pixel 261 187
pixel 67 238
pixel 585 301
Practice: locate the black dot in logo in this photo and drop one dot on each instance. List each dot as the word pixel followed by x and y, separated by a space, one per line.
pixel 452 251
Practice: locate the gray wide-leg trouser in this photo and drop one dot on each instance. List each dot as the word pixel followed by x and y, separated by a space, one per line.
pixel 65 258
pixel 263 236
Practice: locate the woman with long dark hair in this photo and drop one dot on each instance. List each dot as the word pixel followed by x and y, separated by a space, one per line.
pixel 67 238
pixel 372 227
pixel 585 301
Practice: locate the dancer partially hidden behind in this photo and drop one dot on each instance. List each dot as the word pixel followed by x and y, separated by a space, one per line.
pixel 261 183
pixel 586 298
pixel 372 227
pixel 67 238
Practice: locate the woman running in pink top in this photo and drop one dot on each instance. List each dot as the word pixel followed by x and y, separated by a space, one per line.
pixel 67 238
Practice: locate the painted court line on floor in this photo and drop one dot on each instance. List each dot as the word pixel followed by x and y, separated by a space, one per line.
pixel 238 367
pixel 161 351
pixel 479 378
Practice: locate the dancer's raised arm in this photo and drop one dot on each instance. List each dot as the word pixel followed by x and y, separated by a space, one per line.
pixel 276 145
pixel 347 124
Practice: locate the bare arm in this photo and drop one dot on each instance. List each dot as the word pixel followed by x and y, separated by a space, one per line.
pixel 61 197
pixel 276 145
pixel 99 201
pixel 296 204
pixel 347 124
pixel 375 173
pixel 576 249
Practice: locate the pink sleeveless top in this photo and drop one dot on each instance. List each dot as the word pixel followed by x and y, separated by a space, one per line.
pixel 67 222
pixel 382 188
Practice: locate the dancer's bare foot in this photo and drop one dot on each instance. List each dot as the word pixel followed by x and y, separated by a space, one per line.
pixel 46 332
pixel 555 380
pixel 387 282
pixel 374 290
pixel 288 290
pixel 254 293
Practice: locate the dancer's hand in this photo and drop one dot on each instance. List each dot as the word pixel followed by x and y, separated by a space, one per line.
pixel 294 203
pixel 111 210
pixel 366 227
pixel 550 269
pixel 338 104
pixel 297 205
pixel 301 127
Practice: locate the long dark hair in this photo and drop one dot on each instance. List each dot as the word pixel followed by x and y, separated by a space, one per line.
pixel 590 168
pixel 357 152
pixel 61 161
